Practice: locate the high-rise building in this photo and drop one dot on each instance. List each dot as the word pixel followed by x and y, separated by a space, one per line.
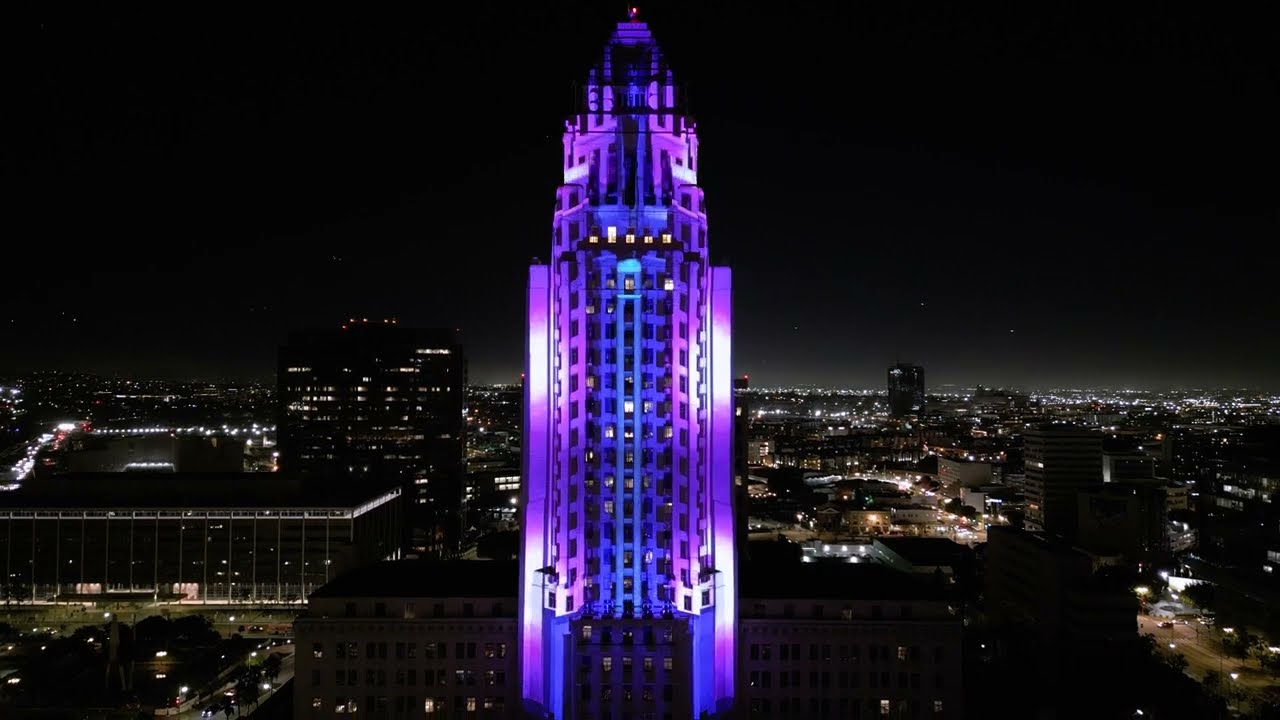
pixel 741 461
pixel 383 403
pixel 1062 461
pixel 906 389
pixel 627 486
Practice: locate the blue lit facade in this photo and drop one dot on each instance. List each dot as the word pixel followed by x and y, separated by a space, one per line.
pixel 628 567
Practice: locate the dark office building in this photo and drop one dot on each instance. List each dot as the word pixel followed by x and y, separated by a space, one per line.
pixel 1062 461
pixel 906 389
pixel 376 401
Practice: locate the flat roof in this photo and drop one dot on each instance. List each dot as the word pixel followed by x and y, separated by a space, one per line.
pixel 428 579
pixel 831 579
pixel 189 490
pixel 925 551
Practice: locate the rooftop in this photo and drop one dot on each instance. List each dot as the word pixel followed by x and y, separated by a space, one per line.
pixel 427 579
pixel 925 551
pixel 188 490
pixel 832 579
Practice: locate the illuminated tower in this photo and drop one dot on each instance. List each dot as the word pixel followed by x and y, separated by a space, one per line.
pixel 628 568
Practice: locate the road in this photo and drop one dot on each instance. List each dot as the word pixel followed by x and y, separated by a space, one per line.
pixel 1202 647
pixel 286 674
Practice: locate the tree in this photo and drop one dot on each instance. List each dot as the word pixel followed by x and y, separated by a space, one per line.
pixel 1213 682
pixel 153 630
pixel 247 688
pixel 1177 661
pixel 1270 661
pixel 1202 595
pixel 271 667
pixel 195 631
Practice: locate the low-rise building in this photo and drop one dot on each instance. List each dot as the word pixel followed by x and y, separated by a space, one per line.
pixel 841 640
pixel 413 639
pixel 254 537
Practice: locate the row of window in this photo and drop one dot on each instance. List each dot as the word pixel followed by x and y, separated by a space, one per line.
pixel 351 609
pixel 648 663
pixel 380 706
pixel 905 612
pixel 350 650
pixel 844 679
pixel 408 677
pixel 843 708
pixel 627 694
pixel 906 653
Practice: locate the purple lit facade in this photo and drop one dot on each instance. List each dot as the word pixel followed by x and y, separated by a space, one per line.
pixel 628 588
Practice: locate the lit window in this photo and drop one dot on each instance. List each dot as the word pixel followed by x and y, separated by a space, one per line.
pixel 628 406
pixel 937 707
pixel 884 708
pixel 902 652
pixel 593 239
pixel 631 238
pixel 612 233
pixel 317 703
pixel 669 284
pixel 586 632
pixel 429 705
pixel 648 239
pixel 666 238
pixel 606 663
pixel 471 704
pixel 667 663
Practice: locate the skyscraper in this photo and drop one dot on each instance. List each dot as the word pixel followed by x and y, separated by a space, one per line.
pixel 906 389
pixel 373 401
pixel 627 516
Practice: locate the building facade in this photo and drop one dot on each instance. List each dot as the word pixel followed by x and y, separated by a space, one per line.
pixel 906 389
pixel 1062 461
pixel 410 639
pixel 840 640
pixel 627 485
pixel 376 401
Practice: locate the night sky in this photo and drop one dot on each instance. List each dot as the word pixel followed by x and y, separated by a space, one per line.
pixel 1041 195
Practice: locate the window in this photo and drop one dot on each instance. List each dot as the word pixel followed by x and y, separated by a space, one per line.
pixel 317 650
pixel 669 284
pixel 317 703
pixel 884 708
pixel 902 652
pixel 471 702
pixel 667 663
pixel 937 707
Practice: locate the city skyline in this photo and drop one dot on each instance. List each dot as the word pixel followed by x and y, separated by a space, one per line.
pixel 238 195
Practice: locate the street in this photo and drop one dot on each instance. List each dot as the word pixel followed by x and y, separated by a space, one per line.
pixel 286 674
pixel 1202 647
